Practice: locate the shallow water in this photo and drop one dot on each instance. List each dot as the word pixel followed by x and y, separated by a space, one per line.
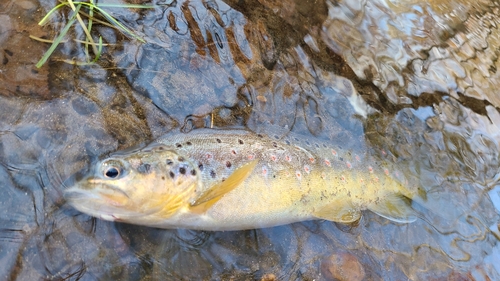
pixel 414 83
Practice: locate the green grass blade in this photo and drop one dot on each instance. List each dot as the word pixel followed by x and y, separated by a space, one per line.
pixel 112 20
pixel 85 63
pixel 99 52
pixel 121 26
pixel 45 40
pixel 82 24
pixel 89 28
pixel 47 16
pixel 59 38
pixel 97 48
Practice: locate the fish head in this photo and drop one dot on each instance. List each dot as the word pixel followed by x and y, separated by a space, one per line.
pixel 150 184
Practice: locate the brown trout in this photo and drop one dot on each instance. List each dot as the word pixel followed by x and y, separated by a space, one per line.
pixel 234 179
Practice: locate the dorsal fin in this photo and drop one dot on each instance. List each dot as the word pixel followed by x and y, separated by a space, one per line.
pixel 214 193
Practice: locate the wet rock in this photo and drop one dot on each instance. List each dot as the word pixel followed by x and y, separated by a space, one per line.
pixel 343 267
pixel 27 5
pixel 269 277
pixel 83 106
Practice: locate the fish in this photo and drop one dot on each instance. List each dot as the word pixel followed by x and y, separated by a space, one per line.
pixel 236 179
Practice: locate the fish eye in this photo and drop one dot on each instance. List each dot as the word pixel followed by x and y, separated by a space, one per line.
pixel 112 172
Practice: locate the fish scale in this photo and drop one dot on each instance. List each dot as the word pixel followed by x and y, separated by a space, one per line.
pixel 234 150
pixel 236 179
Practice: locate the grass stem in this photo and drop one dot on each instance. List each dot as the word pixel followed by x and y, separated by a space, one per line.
pixel 87 28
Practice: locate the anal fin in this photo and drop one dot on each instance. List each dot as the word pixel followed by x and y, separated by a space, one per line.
pixel 214 193
pixel 338 212
pixel 395 207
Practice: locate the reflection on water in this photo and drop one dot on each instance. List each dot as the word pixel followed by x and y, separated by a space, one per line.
pixel 412 82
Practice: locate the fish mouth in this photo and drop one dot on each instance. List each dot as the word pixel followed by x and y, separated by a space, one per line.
pixel 74 194
pixel 92 187
pixel 93 204
pixel 102 201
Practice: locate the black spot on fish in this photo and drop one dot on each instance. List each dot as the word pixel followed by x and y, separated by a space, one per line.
pixel 213 174
pixel 163 178
pixel 218 140
pixel 308 143
pixel 171 174
pixel 178 145
pixel 223 179
pixel 260 136
pixel 240 141
pixel 324 146
pixel 276 137
pixel 275 144
pixel 296 139
pixel 144 169
pixel 341 159
pixel 317 146
pixel 182 170
pixel 233 152
pixel 200 166
pixel 193 172
pixel 170 162
pixel 181 159
pixel 161 148
pixel 287 142
pixel 188 143
pixel 228 164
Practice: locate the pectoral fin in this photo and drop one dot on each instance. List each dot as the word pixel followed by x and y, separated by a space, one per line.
pixel 214 193
pixel 338 212
pixel 395 207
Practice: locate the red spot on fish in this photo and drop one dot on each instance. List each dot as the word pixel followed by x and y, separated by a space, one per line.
pixel 250 157
pixel 370 169
pixel 334 152
pixel 288 158
pixel 208 155
pixel 375 179
pixel 307 169
pixel 342 178
pixel 348 164
pixel 264 170
pixel 298 174
pixel 233 152
pixel 273 158
pixel 113 202
pixel 383 152
pixel 386 172
pixel 357 158
pixel 328 163
pixel 311 160
pixel 323 175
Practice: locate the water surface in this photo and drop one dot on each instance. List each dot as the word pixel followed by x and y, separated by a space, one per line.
pixel 412 82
